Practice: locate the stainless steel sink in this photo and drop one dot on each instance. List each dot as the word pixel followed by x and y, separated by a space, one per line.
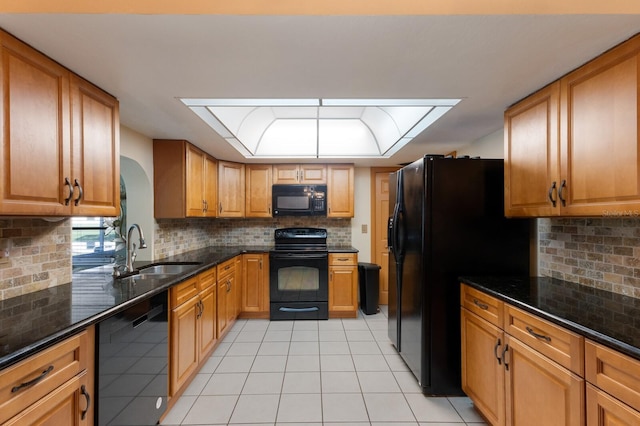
pixel 153 276
pixel 166 268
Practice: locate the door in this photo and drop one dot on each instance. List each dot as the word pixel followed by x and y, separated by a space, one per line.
pixel 184 343
pixel 258 193
pixel 379 219
pixel 195 181
pixel 394 290
pixel 231 188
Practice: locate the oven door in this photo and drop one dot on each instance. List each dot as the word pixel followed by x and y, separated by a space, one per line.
pixel 299 285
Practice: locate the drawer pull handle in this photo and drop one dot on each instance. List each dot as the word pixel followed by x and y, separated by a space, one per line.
pixel 32 382
pixel 538 336
pixel 480 305
pixel 343 259
pixel 84 393
pixel 495 351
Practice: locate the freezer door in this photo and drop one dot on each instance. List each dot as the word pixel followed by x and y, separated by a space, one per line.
pixel 393 266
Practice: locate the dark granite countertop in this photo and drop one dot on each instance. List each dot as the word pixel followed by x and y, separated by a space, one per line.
pixel 608 318
pixel 34 321
pixel 342 249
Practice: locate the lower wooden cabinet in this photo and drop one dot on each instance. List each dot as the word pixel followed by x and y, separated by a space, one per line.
pixel 228 293
pixel 53 387
pixel 482 369
pixel 193 332
pixel 512 382
pixel 255 285
pixel 605 410
pixel 538 390
pixel 343 285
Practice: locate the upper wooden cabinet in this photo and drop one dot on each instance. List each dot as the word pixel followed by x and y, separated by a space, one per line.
pixel 258 190
pixel 531 174
pixel 340 185
pixel 571 149
pixel 96 150
pixel 60 138
pixel 299 173
pixel 231 189
pixel 184 180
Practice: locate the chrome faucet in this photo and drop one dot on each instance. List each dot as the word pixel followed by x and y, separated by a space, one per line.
pixel 131 252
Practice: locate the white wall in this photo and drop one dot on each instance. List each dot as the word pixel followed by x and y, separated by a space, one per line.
pixel 490 146
pixel 136 168
pixel 362 214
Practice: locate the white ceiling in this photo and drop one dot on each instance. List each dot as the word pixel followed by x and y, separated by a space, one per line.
pixel 149 61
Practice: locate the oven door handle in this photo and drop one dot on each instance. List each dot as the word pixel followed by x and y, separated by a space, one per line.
pixel 299 256
pixel 310 309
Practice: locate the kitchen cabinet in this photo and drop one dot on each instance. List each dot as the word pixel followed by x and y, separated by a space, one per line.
pixel 184 180
pixel 61 126
pixel 312 174
pixel 532 174
pixel 519 363
pixel 227 295
pixel 193 328
pixel 571 149
pixel 343 285
pixel 340 183
pixel 258 190
pixel 231 189
pixel 53 387
pixel 483 374
pixel 255 285
pixel 613 386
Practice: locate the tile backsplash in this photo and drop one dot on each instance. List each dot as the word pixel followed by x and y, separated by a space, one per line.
pixel 596 252
pixel 175 236
pixel 40 255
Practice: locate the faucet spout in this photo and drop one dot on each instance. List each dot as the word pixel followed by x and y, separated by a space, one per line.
pixel 131 251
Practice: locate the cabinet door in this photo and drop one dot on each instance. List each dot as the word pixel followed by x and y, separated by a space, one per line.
pixel 255 291
pixel 96 150
pixel 68 404
pixel 482 369
pixel 184 343
pixel 599 134
pixel 531 174
pixel 286 173
pixel 340 190
pixel 605 410
pixel 195 181
pixel 35 132
pixel 207 336
pixel 230 189
pixel 539 391
pixel 343 291
pixel 313 174
pixel 210 184
pixel 258 190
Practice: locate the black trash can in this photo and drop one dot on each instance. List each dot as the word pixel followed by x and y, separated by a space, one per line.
pixel 369 277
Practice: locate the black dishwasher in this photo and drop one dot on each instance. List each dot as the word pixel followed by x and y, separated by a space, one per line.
pixel 132 357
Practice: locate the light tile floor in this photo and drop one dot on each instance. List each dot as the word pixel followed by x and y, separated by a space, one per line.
pixel 335 372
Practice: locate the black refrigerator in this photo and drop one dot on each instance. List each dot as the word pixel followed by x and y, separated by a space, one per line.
pixel 447 221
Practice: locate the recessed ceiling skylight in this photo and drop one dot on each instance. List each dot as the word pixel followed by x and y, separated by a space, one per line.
pixel 319 128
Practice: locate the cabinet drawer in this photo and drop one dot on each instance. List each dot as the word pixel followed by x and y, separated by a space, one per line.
pixel 25 383
pixel 561 345
pixel 226 268
pixel 613 372
pixel 184 291
pixel 481 304
pixel 207 279
pixel 336 259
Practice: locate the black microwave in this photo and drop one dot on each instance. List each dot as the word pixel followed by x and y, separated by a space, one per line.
pixel 299 200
